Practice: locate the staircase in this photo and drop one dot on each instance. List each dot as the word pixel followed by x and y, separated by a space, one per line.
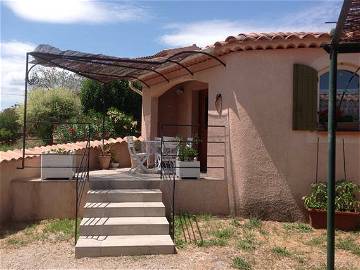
pixel 124 217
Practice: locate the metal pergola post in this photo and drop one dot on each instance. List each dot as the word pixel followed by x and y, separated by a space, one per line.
pixel 331 159
pixel 25 111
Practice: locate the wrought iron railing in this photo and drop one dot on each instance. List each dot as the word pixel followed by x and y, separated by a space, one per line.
pixel 81 178
pixel 80 167
pixel 168 173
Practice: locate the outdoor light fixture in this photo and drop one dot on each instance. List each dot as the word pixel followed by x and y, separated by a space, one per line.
pixel 179 91
pixel 218 104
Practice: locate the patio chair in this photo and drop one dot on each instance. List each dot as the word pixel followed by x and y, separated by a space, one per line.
pixel 158 154
pixel 169 154
pixel 139 159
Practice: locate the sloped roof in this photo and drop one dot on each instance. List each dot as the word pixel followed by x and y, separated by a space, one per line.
pixel 108 68
pixel 36 151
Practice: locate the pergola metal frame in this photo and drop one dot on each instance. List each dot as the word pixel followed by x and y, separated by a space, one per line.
pixel 92 66
pixel 346 39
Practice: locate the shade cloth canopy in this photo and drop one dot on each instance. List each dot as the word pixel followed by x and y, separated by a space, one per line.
pixel 105 68
pixel 346 37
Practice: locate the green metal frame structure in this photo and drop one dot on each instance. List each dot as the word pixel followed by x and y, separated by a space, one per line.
pixel 345 39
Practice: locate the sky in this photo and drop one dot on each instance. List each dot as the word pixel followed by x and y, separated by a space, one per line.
pixel 139 28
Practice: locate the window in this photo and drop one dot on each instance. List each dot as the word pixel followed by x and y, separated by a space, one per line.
pixel 347 101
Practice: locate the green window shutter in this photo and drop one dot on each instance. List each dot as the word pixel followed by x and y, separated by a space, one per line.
pixel 305 86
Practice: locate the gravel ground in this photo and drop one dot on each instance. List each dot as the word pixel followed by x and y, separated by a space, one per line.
pixel 61 256
pixel 273 245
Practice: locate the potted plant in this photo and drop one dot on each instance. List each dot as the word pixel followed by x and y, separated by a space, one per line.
pixel 347 205
pixel 114 162
pixel 104 157
pixel 57 164
pixel 187 166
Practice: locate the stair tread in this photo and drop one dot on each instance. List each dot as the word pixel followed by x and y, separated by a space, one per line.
pixel 123 221
pixel 126 191
pixel 124 240
pixel 122 204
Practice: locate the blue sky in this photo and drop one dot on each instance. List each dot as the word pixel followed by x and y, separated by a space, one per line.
pixel 138 28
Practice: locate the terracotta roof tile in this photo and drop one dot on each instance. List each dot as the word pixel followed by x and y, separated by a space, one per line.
pixel 35 151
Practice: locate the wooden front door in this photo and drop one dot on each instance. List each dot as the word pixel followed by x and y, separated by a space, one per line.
pixel 203 129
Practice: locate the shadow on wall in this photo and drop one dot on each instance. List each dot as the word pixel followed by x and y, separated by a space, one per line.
pixel 273 166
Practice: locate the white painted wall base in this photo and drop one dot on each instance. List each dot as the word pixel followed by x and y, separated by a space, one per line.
pixel 49 162
pixel 188 169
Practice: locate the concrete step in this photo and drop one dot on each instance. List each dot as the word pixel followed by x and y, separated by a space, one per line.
pixel 100 183
pixel 124 195
pixel 123 245
pixel 124 209
pixel 124 226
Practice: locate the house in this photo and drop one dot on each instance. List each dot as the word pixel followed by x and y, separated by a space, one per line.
pixel 270 97
pixel 256 101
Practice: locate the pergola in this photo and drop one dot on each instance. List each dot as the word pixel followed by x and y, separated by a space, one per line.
pixel 345 39
pixel 105 69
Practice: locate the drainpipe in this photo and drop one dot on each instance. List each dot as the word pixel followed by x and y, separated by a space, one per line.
pixel 331 159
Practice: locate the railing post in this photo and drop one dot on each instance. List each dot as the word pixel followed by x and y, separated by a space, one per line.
pixel 25 111
pixel 76 208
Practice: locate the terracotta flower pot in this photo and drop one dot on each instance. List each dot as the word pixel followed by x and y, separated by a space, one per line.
pixel 346 221
pixel 104 162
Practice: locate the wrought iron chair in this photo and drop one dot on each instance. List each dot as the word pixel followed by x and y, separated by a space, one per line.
pixel 169 154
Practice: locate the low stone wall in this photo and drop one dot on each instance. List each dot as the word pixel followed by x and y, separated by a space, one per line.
pixel 38 199
pixel 197 196
pixel 18 203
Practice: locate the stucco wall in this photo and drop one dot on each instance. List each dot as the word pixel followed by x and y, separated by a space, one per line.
pixel 269 167
pixel 21 198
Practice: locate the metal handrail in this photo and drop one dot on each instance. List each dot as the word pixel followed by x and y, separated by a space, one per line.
pixel 168 169
pixel 81 177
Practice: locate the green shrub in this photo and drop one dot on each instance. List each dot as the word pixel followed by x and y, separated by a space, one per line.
pixel 345 196
pixel 46 106
pixel 9 126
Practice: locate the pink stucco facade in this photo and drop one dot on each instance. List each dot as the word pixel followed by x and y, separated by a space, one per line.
pixel 268 166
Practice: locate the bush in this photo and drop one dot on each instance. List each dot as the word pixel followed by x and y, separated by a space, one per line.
pixel 48 106
pixel 9 126
pixel 95 96
pixel 117 124
pixel 345 196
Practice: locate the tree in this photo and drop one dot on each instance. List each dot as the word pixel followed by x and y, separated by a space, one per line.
pixel 9 126
pixel 45 77
pixel 95 96
pixel 46 107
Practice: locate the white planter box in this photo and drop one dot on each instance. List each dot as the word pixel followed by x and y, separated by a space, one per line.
pixel 188 169
pixel 49 162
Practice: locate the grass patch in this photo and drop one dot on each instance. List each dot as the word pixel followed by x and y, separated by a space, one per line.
pixel 212 242
pixel 298 227
pixel 55 229
pixel 241 263
pixel 316 241
pixel 223 233
pixel 281 251
pixel 204 217
pixel 60 226
pixel 247 243
pixel 253 223
pixel 348 244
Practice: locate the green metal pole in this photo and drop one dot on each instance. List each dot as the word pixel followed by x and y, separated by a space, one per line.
pixel 331 160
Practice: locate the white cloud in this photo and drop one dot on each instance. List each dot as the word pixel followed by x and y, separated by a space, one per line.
pixel 75 11
pixel 12 71
pixel 203 33
pixel 207 32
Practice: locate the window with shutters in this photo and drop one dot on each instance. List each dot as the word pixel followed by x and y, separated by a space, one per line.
pixel 347 101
